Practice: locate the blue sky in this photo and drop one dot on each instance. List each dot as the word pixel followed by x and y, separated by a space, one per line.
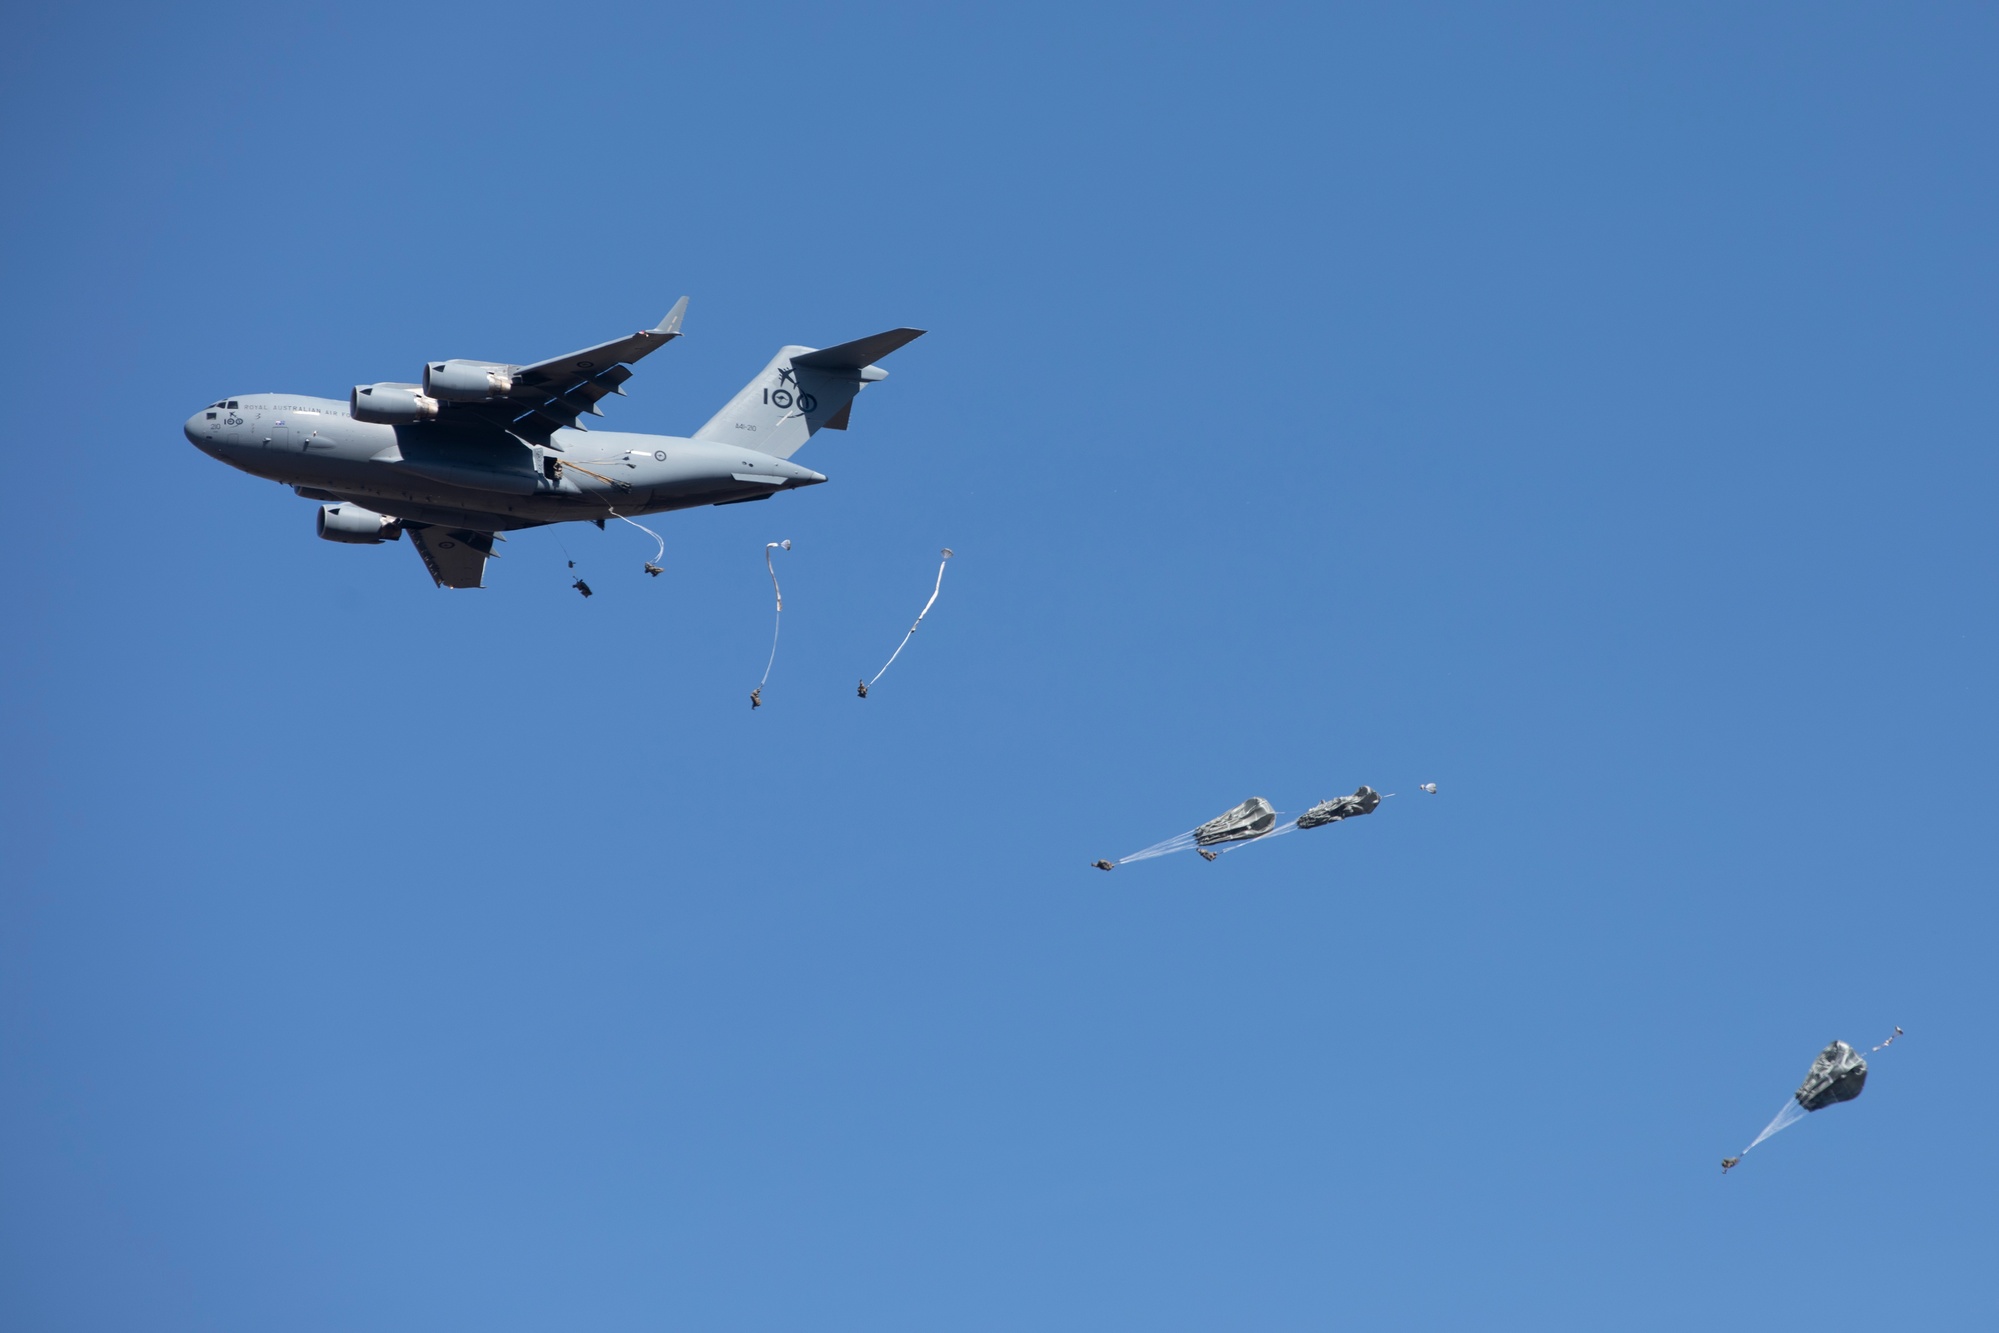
pixel 1591 413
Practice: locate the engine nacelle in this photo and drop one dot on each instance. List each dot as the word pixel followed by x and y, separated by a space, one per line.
pixel 467 381
pixel 391 404
pixel 346 522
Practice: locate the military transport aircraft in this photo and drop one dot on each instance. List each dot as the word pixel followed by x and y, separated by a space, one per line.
pixel 482 447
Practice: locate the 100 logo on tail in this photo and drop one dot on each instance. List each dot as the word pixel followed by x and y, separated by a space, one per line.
pixel 783 398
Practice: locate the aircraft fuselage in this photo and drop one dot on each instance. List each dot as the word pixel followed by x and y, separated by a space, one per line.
pixel 442 472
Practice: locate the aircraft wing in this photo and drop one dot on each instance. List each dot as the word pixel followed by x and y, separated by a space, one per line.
pixel 455 557
pixel 551 395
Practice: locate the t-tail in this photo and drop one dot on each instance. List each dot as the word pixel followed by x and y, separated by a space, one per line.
pixel 801 392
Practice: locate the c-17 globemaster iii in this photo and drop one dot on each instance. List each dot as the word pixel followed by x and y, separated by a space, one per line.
pixel 483 447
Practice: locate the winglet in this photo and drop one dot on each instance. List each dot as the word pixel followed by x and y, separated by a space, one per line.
pixel 670 326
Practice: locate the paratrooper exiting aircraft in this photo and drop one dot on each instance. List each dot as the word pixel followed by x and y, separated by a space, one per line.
pixel 482 447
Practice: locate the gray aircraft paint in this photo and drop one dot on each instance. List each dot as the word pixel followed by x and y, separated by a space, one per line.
pixel 462 471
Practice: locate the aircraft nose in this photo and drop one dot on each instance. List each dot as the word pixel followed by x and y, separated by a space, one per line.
pixel 196 431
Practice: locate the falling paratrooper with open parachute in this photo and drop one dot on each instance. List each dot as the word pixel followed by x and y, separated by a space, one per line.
pixel 1838 1074
pixel 1252 821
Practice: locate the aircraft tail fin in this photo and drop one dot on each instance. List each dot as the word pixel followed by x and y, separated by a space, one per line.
pixel 800 392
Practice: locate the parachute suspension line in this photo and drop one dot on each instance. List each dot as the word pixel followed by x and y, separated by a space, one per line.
pixel 652 566
pixel 777 626
pixel 919 620
pixel 1886 1044
pixel 1184 842
pixel 1278 832
pixel 1794 1111
pixel 1179 842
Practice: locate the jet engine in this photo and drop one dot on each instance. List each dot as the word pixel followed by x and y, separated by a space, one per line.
pixel 346 522
pixel 391 404
pixel 467 381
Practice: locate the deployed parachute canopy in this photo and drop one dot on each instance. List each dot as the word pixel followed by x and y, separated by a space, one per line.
pixel 1837 1075
pixel 1252 819
pixel 1362 802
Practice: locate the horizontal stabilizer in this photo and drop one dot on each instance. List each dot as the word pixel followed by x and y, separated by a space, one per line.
pixel 850 357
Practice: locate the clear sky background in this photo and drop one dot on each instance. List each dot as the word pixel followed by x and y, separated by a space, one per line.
pixel 1591 413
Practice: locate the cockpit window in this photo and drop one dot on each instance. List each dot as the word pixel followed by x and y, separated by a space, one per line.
pixel 231 404
pixel 211 416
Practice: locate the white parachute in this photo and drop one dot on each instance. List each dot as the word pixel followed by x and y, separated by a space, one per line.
pixel 867 685
pixel 757 694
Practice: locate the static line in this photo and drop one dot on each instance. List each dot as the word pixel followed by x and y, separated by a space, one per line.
pixel 919 619
pixel 608 481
